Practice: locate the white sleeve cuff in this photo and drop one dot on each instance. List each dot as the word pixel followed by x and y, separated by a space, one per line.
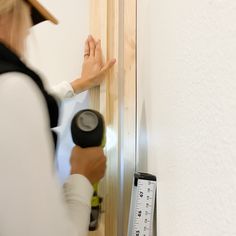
pixel 78 188
pixel 63 90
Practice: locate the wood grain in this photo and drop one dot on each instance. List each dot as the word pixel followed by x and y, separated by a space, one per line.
pixel 129 138
pixel 114 22
pixel 97 96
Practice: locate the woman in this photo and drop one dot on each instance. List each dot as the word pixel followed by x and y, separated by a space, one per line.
pixel 31 201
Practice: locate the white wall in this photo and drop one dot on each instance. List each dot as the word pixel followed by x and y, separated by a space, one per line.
pixel 187 112
pixel 57 53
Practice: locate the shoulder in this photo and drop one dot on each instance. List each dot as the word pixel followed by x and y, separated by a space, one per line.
pixel 19 93
pixel 16 80
pixel 15 84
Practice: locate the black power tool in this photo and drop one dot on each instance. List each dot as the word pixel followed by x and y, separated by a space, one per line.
pixel 88 130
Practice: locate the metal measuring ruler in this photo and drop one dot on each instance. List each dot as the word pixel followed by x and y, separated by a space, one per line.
pixel 142 205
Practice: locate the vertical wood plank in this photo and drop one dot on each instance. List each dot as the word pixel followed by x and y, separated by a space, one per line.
pixel 97 96
pixel 129 137
pixel 104 26
pixel 112 119
pixel 114 21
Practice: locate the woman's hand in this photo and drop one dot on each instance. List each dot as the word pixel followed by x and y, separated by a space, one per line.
pixel 93 69
pixel 89 162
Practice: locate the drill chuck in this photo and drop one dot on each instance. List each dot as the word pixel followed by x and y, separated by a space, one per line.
pixel 88 128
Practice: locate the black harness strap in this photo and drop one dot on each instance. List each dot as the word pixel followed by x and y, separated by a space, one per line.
pixel 9 62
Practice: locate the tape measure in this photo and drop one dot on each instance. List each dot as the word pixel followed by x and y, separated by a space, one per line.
pixel 142 205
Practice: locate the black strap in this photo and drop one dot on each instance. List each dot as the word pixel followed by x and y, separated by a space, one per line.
pixel 9 62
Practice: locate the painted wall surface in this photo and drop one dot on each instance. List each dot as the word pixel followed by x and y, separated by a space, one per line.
pixel 187 112
pixel 57 53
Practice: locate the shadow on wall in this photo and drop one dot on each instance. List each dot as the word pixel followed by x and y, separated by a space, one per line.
pixel 142 141
pixel 142 161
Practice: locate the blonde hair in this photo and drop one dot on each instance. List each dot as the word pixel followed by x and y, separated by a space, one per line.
pixel 17 13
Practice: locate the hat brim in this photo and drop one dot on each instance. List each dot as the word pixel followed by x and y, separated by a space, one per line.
pixel 39 13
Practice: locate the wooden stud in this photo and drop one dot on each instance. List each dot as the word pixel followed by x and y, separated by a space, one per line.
pixel 97 96
pixel 129 138
pixel 114 22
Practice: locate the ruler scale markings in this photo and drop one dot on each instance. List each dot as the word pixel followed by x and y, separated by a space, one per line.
pixel 142 205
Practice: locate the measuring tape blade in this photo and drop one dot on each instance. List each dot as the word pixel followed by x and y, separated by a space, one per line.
pixel 142 204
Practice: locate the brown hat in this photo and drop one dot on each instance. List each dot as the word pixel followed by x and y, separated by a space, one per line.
pixel 39 13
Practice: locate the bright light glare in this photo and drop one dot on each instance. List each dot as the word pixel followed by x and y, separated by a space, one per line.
pixel 111 140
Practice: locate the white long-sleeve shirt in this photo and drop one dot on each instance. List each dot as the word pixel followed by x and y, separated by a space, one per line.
pixel 32 202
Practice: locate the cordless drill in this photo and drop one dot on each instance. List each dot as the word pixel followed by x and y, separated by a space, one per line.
pixel 88 130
